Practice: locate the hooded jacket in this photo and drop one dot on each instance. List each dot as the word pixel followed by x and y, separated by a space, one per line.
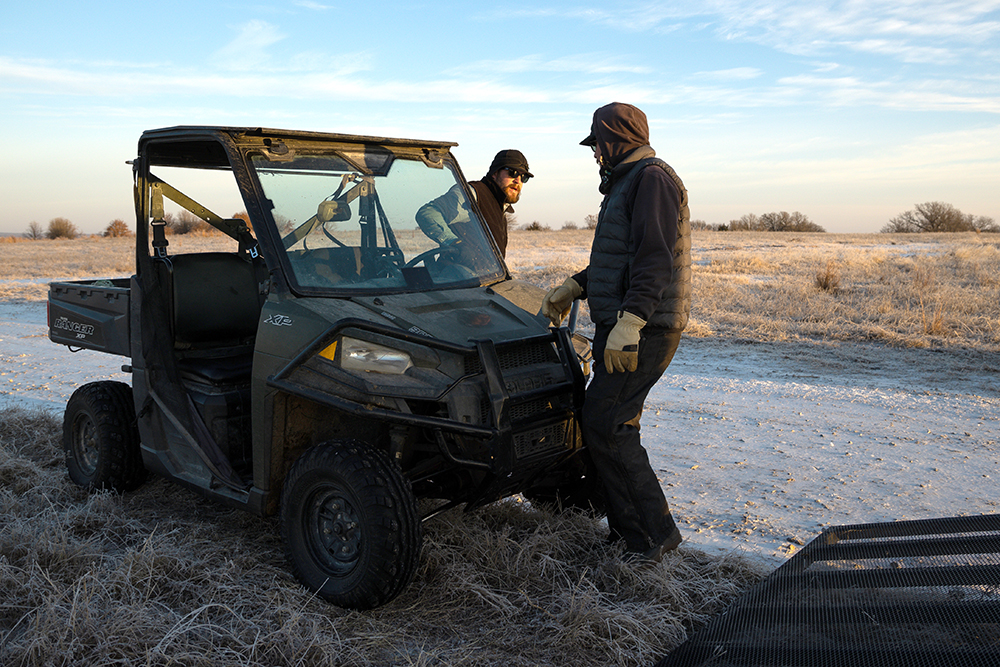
pixel 640 260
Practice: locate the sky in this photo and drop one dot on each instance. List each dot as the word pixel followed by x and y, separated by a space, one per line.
pixel 849 112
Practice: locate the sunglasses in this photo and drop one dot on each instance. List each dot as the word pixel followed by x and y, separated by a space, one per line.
pixel 516 174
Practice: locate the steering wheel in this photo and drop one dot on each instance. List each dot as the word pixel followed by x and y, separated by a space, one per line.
pixel 425 255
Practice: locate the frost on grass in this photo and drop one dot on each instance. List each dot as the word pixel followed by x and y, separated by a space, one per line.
pixel 159 577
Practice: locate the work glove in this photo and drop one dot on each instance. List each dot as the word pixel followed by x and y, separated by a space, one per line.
pixel 622 350
pixel 557 302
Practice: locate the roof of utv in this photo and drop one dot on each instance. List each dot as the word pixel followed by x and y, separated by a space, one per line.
pixel 184 131
pixel 202 145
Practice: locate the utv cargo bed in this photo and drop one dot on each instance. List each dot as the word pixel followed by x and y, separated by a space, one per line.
pixel 91 314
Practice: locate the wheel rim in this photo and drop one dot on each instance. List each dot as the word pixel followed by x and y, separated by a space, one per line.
pixel 85 444
pixel 334 530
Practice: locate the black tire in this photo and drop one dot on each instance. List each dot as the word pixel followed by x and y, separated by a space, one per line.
pixel 101 439
pixel 350 524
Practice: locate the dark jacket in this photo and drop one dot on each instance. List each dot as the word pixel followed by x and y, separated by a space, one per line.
pixel 640 260
pixel 493 203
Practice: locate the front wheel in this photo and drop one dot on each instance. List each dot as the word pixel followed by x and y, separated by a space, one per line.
pixel 350 524
pixel 101 439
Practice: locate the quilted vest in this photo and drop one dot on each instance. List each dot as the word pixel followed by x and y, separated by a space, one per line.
pixel 611 257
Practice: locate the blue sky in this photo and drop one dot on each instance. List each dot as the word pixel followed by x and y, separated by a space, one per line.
pixel 850 112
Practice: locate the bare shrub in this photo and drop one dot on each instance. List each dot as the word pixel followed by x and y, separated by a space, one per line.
pixel 925 282
pixel 35 231
pixel 569 224
pixel 828 279
pixel 536 227
pixel 61 228
pixel 590 221
pixel 117 228
pixel 186 222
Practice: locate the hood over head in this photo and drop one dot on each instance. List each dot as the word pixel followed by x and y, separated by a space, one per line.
pixel 618 129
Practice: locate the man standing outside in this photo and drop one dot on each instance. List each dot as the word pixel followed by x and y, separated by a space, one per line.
pixel 495 193
pixel 638 287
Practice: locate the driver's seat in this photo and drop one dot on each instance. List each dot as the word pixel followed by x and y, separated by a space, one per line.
pixel 328 266
pixel 215 309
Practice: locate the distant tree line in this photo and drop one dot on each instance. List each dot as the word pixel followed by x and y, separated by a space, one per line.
pixel 778 221
pixel 184 222
pixel 62 228
pixel 932 216
pixel 59 228
pixel 936 216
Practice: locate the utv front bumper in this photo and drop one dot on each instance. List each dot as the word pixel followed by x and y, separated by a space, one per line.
pixel 507 411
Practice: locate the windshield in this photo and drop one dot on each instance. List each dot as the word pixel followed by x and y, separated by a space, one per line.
pixel 370 220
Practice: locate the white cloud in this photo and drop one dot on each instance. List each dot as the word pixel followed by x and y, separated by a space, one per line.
pixel 909 53
pixel 734 74
pixel 919 30
pixel 584 63
pixel 315 6
pixel 248 50
pixel 909 95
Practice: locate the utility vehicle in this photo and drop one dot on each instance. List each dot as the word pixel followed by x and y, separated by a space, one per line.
pixel 333 364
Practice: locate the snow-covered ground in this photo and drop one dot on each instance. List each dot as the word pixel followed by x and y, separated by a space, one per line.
pixel 759 446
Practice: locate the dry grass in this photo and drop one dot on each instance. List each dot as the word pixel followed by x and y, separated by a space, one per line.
pixel 27 267
pixel 912 290
pixel 160 577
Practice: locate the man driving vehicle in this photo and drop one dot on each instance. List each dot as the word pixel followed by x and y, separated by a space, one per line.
pixel 441 219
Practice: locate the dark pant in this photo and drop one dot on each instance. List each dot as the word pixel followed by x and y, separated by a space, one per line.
pixel 637 509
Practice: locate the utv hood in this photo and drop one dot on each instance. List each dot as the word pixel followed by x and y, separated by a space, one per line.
pixel 456 316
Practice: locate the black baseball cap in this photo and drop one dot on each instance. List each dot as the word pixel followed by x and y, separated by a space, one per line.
pixel 510 158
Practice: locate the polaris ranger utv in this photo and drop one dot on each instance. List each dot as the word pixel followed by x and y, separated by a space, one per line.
pixel 335 365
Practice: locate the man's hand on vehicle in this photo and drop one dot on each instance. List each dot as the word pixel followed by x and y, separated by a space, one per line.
pixel 557 302
pixel 622 350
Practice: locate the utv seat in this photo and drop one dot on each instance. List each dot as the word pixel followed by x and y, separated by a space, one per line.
pixel 215 308
pixel 327 266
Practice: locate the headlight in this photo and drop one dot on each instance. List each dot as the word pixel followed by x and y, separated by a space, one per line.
pixel 361 355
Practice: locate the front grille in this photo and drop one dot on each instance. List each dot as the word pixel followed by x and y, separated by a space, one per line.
pixel 539 440
pixel 529 409
pixel 902 594
pixel 519 356
pixel 513 357
pixel 523 411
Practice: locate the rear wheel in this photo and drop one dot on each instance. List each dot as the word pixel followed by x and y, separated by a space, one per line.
pixel 350 524
pixel 101 439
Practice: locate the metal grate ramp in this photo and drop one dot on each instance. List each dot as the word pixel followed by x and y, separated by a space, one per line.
pixel 906 594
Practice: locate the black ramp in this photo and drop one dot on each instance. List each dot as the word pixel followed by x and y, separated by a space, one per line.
pixel 899 594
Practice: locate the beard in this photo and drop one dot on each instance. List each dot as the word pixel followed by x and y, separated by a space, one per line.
pixel 513 194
